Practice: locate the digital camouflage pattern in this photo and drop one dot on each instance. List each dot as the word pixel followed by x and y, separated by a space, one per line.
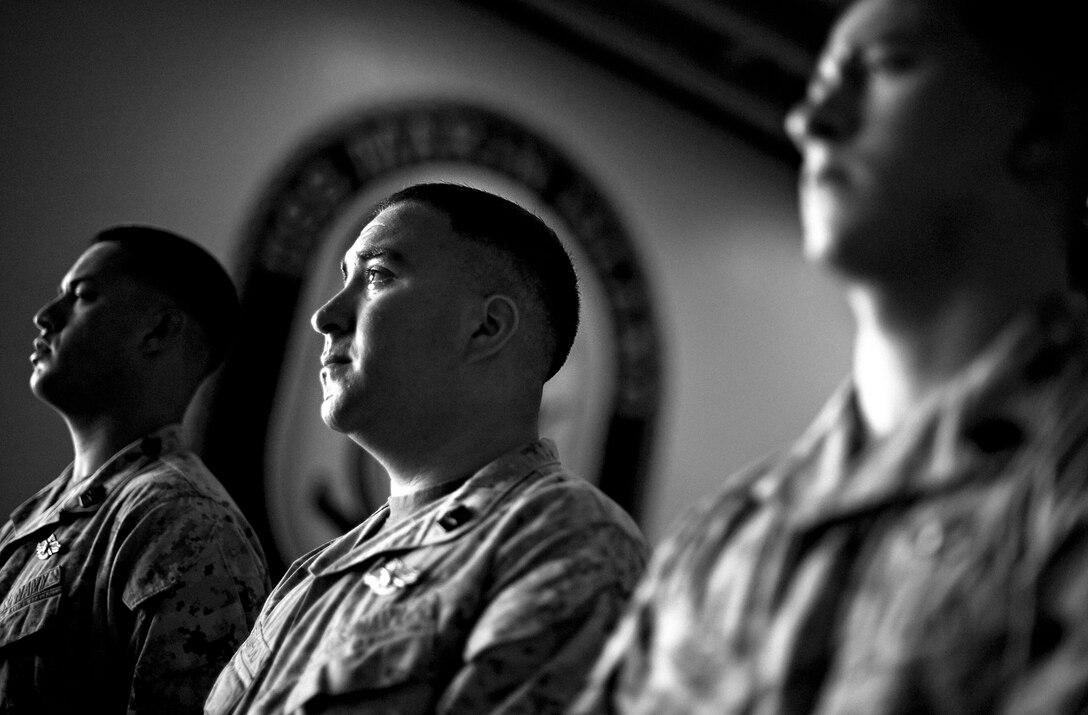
pixel 941 570
pixel 127 591
pixel 495 598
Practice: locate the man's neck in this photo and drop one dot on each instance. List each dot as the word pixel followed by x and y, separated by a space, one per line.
pixel 457 457
pixel 96 440
pixel 908 346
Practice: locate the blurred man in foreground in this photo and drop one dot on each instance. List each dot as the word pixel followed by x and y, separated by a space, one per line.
pixel 924 546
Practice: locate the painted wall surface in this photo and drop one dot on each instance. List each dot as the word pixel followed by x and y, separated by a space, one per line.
pixel 178 113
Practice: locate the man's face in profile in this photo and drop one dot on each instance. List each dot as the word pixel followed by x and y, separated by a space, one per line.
pixel 396 331
pixel 89 333
pixel 906 128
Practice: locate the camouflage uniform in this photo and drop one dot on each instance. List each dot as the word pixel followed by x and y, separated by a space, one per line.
pixel 495 598
pixel 943 569
pixel 128 589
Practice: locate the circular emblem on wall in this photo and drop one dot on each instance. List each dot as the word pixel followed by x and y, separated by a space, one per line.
pixel 261 432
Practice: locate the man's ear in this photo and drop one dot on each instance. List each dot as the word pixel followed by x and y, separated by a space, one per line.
pixel 165 326
pixel 496 324
pixel 1038 147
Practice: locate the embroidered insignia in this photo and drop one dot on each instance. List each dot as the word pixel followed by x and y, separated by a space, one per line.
pixel 455 517
pixel 92 495
pixel 48 547
pixel 390 576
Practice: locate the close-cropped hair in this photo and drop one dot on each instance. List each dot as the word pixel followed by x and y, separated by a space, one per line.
pixel 1040 44
pixel 1041 41
pixel 530 245
pixel 184 272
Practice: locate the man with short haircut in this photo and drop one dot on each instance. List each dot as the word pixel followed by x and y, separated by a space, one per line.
pixel 127 582
pixel 924 547
pixel 491 577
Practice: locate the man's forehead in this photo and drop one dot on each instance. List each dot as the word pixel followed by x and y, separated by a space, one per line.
pixel 100 259
pixel 403 229
pixel 869 20
pixel 381 227
pixel 107 264
pixel 372 241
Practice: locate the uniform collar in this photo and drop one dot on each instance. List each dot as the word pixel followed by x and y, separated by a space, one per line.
pixel 445 520
pixel 66 499
pixel 1001 404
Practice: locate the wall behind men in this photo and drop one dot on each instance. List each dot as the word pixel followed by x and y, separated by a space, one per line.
pixel 178 113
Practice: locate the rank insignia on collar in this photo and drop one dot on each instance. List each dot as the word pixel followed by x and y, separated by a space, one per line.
pixel 390 576
pixel 48 547
pixel 92 495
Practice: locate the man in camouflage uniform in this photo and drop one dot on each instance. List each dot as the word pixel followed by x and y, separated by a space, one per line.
pixel 129 581
pixel 490 579
pixel 924 547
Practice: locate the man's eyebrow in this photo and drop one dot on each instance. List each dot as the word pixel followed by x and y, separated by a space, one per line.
pixel 71 284
pixel 369 254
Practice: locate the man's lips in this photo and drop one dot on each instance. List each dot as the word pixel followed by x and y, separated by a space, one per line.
pixel 823 173
pixel 41 347
pixel 824 164
pixel 331 359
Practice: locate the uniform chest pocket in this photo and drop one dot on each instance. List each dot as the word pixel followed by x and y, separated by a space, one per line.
pixel 30 606
pixel 387 658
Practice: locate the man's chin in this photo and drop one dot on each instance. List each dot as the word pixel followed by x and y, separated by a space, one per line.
pixel 61 400
pixel 332 416
pixel 39 384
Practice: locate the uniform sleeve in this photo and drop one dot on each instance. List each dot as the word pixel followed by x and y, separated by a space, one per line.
pixel 554 605
pixel 1056 680
pixel 193 583
pixel 624 664
pixel 631 674
pixel 620 660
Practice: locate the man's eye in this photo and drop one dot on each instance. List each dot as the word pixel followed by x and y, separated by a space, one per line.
pixel 888 59
pixel 376 274
pixel 855 68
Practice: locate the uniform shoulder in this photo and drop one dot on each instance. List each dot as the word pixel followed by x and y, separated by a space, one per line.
pixel 561 498
pixel 701 525
pixel 178 475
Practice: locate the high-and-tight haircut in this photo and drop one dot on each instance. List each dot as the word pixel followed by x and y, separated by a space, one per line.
pixel 532 250
pixel 185 273
pixel 1041 44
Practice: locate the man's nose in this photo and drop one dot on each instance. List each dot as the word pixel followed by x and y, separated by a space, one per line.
pixel 48 317
pixel 333 317
pixel 828 111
